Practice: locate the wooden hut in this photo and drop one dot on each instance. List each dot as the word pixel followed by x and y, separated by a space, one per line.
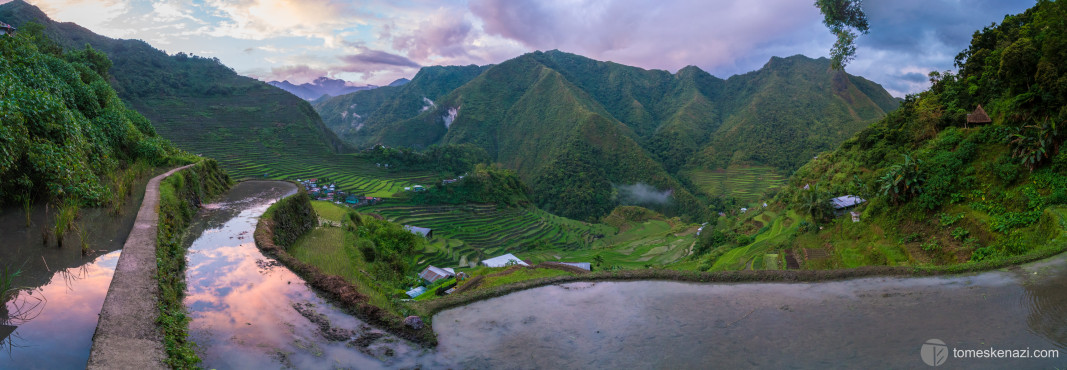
pixel 978 117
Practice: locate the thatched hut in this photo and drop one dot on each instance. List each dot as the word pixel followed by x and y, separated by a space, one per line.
pixel 978 117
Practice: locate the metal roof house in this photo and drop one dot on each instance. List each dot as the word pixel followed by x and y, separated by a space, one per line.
pixel 846 201
pixel 502 261
pixel 6 29
pixel 432 274
pixel 424 231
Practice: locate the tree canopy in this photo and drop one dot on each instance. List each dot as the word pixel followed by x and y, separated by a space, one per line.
pixel 844 18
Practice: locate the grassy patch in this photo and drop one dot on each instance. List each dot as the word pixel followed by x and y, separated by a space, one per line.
pixel 329 210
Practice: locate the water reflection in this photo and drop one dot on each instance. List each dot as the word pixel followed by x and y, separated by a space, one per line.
pixel 1046 297
pixel 864 323
pixel 60 289
pixel 55 322
pixel 249 312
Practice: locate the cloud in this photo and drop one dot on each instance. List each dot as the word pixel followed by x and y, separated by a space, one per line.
pixel 652 34
pixel 444 34
pixel 369 59
pixel 641 193
pixel 264 19
pixel 910 38
pixel 296 74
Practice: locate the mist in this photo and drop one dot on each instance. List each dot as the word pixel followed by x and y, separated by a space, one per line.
pixel 643 194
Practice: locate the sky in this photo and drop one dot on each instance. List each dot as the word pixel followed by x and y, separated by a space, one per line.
pixel 378 41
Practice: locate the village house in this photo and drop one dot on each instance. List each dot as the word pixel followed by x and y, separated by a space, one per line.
pixel 6 29
pixel 432 273
pixel 845 203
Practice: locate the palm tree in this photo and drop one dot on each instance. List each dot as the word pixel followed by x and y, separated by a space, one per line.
pixel 815 203
pixel 598 259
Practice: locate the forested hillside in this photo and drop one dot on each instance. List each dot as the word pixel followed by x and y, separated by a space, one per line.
pixel 65 134
pixel 201 105
pixel 348 114
pixel 945 184
pixel 576 129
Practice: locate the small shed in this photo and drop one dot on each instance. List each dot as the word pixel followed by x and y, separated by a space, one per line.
pixel 416 292
pixel 432 274
pixel 855 216
pixel 501 261
pixel 978 117
pixel 424 231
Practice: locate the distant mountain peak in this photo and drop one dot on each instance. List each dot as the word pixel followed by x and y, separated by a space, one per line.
pixel 319 87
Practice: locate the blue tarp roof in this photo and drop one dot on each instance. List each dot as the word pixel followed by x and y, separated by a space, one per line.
pixel 416 292
pixel 846 201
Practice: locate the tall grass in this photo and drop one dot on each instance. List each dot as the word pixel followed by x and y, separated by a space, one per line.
pixel 122 183
pixel 27 207
pixel 65 219
pixel 7 282
pixel 84 234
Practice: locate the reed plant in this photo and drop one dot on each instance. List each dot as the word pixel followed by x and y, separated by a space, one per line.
pixel 65 217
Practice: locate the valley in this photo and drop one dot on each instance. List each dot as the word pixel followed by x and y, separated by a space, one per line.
pixel 431 221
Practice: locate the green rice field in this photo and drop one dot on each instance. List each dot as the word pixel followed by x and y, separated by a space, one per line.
pixel 251 141
pixel 746 184
pixel 466 234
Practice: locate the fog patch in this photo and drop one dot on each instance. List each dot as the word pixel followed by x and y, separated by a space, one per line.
pixel 427 104
pixel 450 117
pixel 643 194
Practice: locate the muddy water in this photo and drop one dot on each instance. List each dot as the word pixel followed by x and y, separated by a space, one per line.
pixel 60 289
pixel 250 313
pixel 864 323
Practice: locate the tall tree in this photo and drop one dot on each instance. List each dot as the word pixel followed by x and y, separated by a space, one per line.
pixel 844 18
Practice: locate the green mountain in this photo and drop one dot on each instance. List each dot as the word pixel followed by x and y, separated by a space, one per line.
pixel 943 185
pixel 199 104
pixel 348 114
pixel 64 133
pixel 577 128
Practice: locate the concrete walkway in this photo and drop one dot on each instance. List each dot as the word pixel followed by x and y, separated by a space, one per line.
pixel 127 336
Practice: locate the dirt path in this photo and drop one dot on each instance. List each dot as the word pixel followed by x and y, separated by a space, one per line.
pixel 126 336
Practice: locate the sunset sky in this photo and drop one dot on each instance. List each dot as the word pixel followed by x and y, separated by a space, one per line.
pixel 375 42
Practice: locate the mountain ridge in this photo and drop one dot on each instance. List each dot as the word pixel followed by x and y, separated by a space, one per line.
pixel 533 112
pixel 319 88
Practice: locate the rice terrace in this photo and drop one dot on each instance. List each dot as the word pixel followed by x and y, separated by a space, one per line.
pixel 533 184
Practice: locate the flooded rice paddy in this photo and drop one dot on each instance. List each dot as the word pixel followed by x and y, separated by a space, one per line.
pixel 249 312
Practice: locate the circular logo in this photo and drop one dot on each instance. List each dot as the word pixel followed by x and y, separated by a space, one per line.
pixel 934 352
